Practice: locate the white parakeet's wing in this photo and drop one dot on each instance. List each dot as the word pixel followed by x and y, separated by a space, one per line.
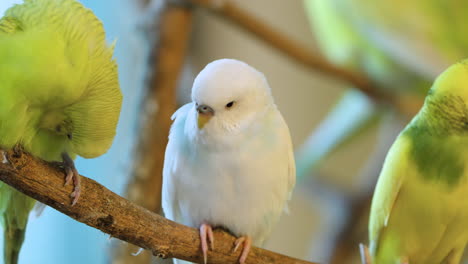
pixel 388 187
pixel 171 160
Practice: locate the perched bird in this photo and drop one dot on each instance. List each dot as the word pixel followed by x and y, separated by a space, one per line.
pixel 229 161
pixel 60 95
pixel 419 211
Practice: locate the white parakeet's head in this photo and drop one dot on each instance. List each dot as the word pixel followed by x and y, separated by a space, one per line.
pixel 228 95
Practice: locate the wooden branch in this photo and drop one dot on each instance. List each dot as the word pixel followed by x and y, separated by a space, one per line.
pixel 228 10
pixel 168 29
pixel 100 208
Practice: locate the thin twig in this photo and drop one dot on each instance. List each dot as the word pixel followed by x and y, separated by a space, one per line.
pixel 230 11
pixel 100 208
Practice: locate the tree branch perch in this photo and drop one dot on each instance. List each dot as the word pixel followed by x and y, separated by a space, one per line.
pixel 102 209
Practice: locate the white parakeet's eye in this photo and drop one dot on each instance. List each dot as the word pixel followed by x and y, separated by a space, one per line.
pixel 230 104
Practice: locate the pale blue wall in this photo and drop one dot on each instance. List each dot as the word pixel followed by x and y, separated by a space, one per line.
pixel 56 238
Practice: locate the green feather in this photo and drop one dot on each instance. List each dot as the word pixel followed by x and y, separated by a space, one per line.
pixel 436 136
pixel 438 159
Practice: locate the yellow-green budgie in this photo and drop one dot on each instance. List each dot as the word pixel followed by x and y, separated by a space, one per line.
pixel 419 212
pixel 403 42
pixel 59 95
pixel 348 36
pixel 369 36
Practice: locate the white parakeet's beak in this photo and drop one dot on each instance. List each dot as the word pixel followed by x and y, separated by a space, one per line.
pixel 205 113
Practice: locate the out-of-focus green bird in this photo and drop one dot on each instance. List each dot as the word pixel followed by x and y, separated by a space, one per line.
pixel 400 45
pixel 340 37
pixel 60 95
pixel 408 42
pixel 419 212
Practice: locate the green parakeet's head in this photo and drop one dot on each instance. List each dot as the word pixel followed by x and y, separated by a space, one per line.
pixel 438 133
pixel 445 108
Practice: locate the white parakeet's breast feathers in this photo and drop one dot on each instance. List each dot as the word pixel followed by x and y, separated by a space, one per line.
pixel 229 161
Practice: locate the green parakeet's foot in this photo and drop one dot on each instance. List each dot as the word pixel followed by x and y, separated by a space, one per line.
pixel 247 241
pixel 17 151
pixel 206 233
pixel 72 174
pixel 365 255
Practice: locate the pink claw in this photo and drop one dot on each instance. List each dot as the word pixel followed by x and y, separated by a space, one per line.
pixel 72 174
pixel 206 232
pixel 245 251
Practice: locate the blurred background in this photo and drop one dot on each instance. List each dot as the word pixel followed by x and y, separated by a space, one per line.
pixel 347 76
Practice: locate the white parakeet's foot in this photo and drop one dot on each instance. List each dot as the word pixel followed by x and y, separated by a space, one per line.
pixel 247 241
pixel 72 174
pixel 206 233
pixel 365 255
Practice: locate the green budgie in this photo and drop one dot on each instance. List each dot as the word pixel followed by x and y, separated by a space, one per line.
pixel 419 212
pixel 425 36
pixel 408 42
pixel 400 45
pixel 59 95
pixel 339 35
pixel 347 39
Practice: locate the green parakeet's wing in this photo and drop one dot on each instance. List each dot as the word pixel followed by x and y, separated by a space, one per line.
pixel 15 218
pixel 387 189
pixel 418 211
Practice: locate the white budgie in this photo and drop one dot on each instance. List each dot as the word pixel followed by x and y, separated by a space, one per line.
pixel 229 161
